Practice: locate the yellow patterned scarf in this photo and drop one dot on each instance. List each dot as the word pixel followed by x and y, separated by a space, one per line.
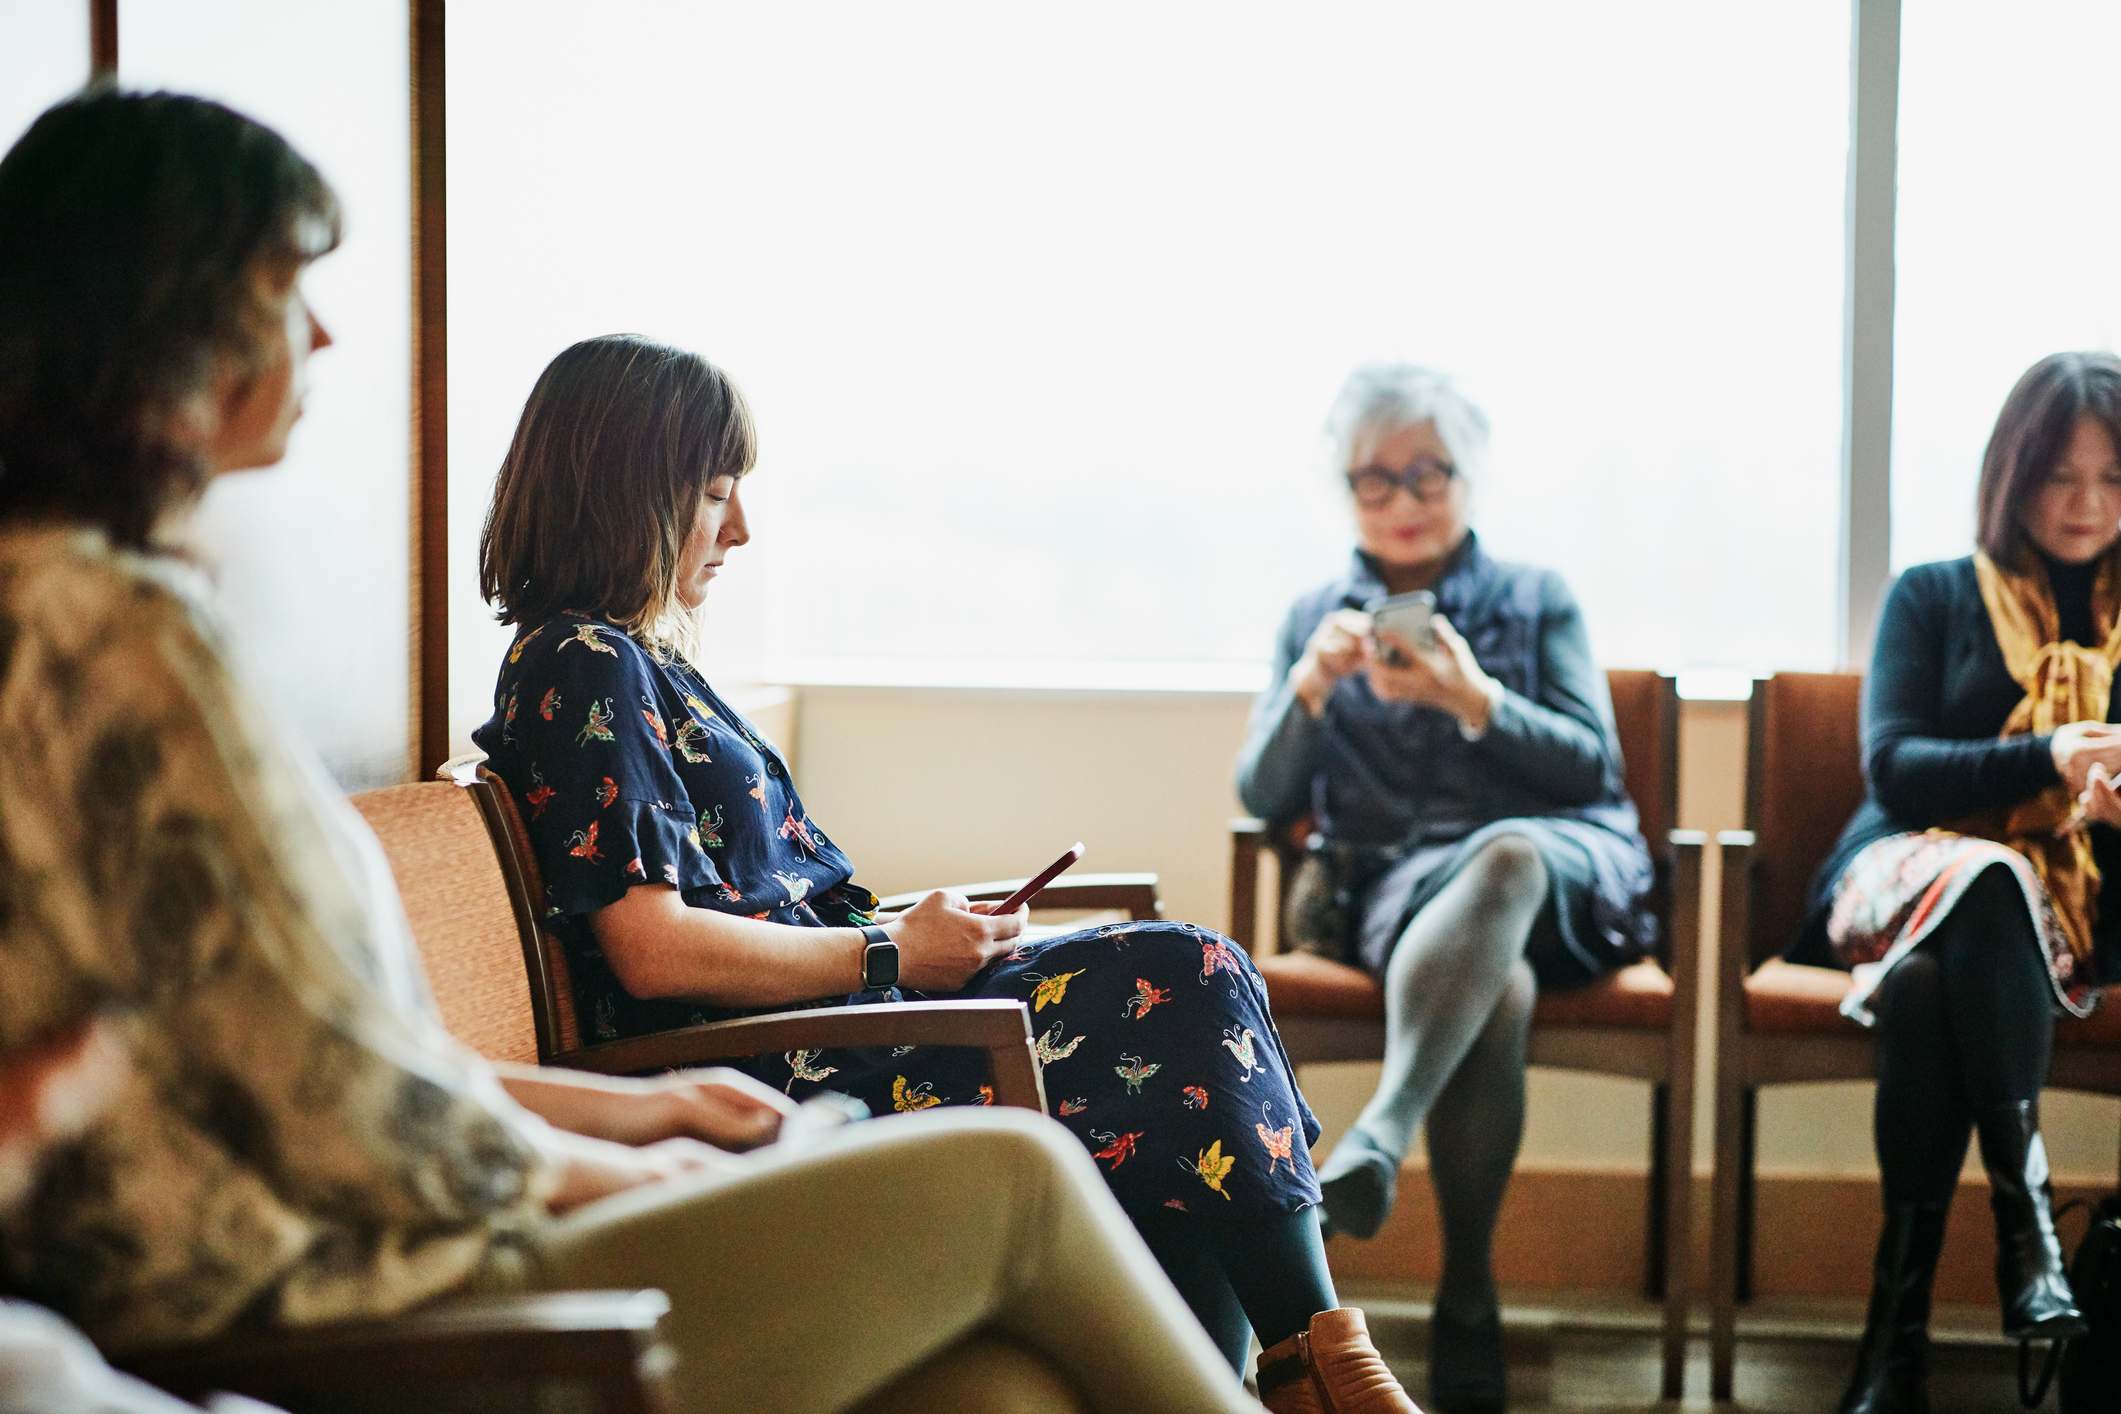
pixel 2063 682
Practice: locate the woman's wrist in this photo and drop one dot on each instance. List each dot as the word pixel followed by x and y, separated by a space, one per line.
pixel 1311 685
pixel 1475 709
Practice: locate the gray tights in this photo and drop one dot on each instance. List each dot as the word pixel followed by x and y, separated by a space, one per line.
pixel 1458 1007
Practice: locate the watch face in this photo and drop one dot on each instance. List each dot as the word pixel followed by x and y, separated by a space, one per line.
pixel 880 965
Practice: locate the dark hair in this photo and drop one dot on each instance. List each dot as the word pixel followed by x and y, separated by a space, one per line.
pixel 2032 432
pixel 603 481
pixel 133 229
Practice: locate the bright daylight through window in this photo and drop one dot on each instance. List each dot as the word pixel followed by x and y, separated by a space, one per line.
pixel 1041 309
pixel 2008 215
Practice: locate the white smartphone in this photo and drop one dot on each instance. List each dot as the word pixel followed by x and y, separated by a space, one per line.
pixel 1405 615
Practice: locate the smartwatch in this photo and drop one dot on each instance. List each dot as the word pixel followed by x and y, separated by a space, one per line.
pixel 879 960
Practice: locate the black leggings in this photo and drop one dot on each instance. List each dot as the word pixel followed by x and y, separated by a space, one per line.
pixel 1965 1023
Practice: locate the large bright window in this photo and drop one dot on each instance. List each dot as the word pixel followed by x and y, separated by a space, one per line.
pixel 1041 308
pixel 314 565
pixel 2008 222
pixel 43 56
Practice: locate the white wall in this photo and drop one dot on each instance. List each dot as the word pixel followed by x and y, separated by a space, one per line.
pixel 928 786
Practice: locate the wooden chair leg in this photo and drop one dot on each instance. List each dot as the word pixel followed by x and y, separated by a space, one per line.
pixel 1748 1197
pixel 1653 1267
pixel 1731 1100
pixel 1676 1251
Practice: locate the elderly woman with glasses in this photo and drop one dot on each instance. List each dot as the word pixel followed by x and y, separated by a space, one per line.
pixel 1471 841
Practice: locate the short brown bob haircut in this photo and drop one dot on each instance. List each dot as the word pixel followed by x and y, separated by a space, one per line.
pixel 134 232
pixel 618 443
pixel 2032 432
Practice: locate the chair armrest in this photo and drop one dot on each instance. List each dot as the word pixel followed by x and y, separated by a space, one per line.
pixel 606 1339
pixel 1133 894
pixel 1000 1028
pixel 1247 836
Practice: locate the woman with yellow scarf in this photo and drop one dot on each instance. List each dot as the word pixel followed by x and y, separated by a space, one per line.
pixel 1965 894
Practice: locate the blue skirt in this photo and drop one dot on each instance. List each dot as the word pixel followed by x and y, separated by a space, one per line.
pixel 1578 936
pixel 1159 1055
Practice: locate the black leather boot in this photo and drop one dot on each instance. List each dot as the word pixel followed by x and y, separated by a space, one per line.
pixel 2031 1278
pixel 1892 1365
pixel 1466 1370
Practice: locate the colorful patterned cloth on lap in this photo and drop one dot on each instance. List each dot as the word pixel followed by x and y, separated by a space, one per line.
pixel 1160 1054
pixel 1896 891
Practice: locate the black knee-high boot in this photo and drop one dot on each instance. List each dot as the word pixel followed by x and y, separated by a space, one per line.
pixel 2030 1276
pixel 1892 1368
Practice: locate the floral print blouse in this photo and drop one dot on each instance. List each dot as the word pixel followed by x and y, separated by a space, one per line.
pixel 299 1140
pixel 608 745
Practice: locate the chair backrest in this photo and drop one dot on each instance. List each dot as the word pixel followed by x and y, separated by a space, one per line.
pixel 1646 717
pixel 470 914
pixel 1804 778
pixel 551 984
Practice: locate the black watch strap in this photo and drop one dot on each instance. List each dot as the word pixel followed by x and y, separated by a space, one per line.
pixel 879 959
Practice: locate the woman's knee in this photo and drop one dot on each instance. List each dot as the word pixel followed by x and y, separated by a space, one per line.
pixel 1506 868
pixel 1511 1021
pixel 1913 992
pixel 1990 935
pixel 1022 1142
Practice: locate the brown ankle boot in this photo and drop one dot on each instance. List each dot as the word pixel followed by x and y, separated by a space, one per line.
pixel 1330 1369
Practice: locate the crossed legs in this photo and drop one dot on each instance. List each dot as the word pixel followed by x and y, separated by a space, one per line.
pixel 1458 1008
pixel 817 1278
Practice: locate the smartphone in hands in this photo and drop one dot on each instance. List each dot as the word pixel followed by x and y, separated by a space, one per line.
pixel 1038 881
pixel 1406 616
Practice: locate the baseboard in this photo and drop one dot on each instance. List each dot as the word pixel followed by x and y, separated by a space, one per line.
pixel 1582 1230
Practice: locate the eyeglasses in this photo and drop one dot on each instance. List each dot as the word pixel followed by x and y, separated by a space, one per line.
pixel 1425 479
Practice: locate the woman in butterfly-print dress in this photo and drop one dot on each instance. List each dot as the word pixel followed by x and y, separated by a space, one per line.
pixel 688 883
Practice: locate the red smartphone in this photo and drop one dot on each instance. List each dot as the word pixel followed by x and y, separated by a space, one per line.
pixel 1044 877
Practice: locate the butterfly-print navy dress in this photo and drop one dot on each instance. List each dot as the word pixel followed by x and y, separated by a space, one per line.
pixel 1159 1052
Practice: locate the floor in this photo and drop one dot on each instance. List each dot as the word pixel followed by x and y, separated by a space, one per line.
pixel 1793 1358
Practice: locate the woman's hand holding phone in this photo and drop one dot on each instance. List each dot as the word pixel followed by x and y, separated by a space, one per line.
pixel 1340 645
pixel 943 940
pixel 2078 746
pixel 1446 676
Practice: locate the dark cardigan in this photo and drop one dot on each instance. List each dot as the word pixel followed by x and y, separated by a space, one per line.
pixel 1936 697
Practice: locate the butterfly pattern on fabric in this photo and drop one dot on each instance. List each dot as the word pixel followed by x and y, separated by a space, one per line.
pixel 1146 995
pixel 1212 1166
pixel 1132 1036
pixel 1134 1072
pixel 1052 989
pixel 1280 1144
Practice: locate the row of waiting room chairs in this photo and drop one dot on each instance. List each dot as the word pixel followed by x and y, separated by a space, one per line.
pixel 1775 1023
pixel 463 863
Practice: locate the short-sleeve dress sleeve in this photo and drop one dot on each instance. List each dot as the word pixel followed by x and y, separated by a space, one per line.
pixel 583 741
pixel 629 770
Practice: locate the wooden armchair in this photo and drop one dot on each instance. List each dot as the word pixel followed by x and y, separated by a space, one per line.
pixel 1637 1023
pixel 464 865
pixel 1779 1023
pixel 602 1342
pixel 464 868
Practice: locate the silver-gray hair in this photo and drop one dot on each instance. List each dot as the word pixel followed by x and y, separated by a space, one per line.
pixel 1384 396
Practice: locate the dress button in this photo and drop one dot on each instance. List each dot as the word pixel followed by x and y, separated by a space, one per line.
pixel 773 768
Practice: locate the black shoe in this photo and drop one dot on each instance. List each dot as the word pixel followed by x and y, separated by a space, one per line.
pixel 1892 1365
pixel 1356 1187
pixel 1465 1364
pixel 2031 1277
